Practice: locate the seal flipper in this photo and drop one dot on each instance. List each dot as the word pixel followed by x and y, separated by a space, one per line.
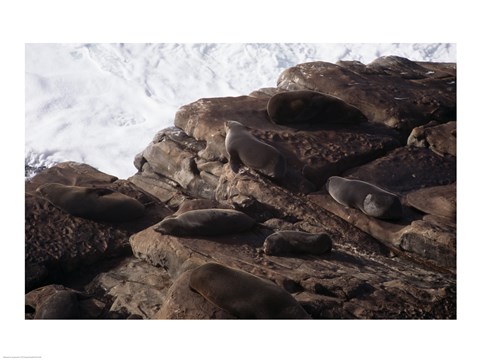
pixel 235 162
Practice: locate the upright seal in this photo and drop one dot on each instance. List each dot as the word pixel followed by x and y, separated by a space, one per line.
pixel 244 295
pixel 368 198
pixel 244 148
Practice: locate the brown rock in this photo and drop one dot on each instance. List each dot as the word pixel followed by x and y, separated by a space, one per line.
pixel 406 169
pixel 376 269
pixel 441 139
pixel 391 90
pixel 437 200
pixel 131 288
pixel 348 269
pixel 312 153
pixel 432 240
pixel 57 243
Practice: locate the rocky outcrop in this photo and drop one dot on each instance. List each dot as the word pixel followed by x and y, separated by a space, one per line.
pixel 376 268
pixel 391 90
pixel 57 243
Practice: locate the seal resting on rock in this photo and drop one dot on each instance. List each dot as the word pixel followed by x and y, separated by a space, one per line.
pixel 60 305
pixel 244 148
pixel 244 295
pixel 305 106
pixel 99 204
pixel 366 197
pixel 205 222
pixel 297 242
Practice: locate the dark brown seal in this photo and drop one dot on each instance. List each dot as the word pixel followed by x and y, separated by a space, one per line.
pixel 62 304
pixel 244 148
pixel 244 295
pixel 205 222
pixel 297 242
pixel 99 204
pixel 305 106
pixel 366 197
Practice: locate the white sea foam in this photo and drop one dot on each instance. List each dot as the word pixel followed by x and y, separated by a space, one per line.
pixel 102 103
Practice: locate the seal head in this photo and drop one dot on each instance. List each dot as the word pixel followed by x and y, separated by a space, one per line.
pixel 368 198
pixel 245 149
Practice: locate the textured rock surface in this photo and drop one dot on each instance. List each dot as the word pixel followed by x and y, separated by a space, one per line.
pixel 436 200
pixel 391 90
pixel 442 139
pixel 57 243
pixel 312 152
pixel 376 269
pixel 131 288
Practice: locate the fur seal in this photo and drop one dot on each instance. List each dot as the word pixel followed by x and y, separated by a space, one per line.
pixel 205 222
pixel 368 198
pixel 297 242
pixel 305 106
pixel 244 148
pixel 244 295
pixel 62 304
pixel 99 204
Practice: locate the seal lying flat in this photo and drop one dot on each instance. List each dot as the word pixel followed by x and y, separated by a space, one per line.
pixel 244 148
pixel 305 106
pixel 99 204
pixel 297 242
pixel 205 222
pixel 368 198
pixel 244 295
pixel 60 305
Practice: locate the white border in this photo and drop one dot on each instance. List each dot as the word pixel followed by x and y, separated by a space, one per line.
pixel 223 21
